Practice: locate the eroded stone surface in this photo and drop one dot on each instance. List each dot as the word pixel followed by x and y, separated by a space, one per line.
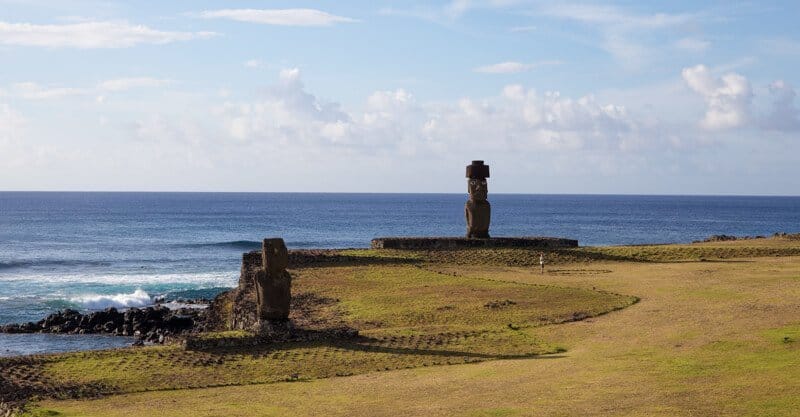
pixel 477 210
pixel 273 282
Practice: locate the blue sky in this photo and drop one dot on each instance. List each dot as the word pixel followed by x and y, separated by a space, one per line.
pixel 558 97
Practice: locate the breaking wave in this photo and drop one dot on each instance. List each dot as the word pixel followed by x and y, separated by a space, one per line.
pixel 204 280
pixel 138 298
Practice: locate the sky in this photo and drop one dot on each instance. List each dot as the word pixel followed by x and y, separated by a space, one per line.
pixel 680 97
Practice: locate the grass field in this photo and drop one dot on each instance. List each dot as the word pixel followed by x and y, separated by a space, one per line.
pixel 716 331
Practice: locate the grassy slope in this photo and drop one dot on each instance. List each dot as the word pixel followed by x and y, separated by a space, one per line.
pixel 707 338
pixel 408 316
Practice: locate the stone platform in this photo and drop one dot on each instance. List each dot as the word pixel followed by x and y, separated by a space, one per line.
pixel 463 242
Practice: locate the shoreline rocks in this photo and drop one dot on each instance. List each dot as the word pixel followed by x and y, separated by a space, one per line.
pixel 728 238
pixel 151 324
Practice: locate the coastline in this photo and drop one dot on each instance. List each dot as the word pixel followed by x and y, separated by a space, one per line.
pixel 96 331
pixel 382 294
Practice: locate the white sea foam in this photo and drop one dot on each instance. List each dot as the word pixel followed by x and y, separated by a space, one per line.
pixel 205 279
pixel 174 305
pixel 138 298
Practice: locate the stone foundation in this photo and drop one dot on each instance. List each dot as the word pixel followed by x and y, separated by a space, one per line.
pixel 312 316
pixel 461 242
pixel 244 314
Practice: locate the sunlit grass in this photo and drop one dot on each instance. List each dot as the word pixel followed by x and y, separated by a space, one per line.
pixel 716 333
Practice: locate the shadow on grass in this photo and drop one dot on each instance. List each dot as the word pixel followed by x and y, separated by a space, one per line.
pixel 366 345
pixel 715 261
pixel 256 347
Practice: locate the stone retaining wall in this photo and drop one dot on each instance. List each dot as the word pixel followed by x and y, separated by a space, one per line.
pixel 462 242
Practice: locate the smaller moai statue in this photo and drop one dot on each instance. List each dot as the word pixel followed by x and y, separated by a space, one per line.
pixel 273 283
pixel 477 210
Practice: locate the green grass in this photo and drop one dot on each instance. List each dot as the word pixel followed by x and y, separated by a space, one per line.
pixel 712 251
pixel 787 335
pixel 408 317
pixel 170 367
pixel 715 333
pixel 387 299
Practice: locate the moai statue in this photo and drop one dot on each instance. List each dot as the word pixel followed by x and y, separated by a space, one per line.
pixel 477 210
pixel 273 283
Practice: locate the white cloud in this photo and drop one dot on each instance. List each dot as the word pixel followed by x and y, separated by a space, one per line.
pixel 692 44
pixel 170 130
pixel 784 114
pixel 281 17
pixel 609 15
pixel 33 91
pixel 290 75
pixel 253 63
pixel 11 123
pixel 14 153
pixel 316 142
pixel 736 64
pixel 125 84
pixel 285 114
pixel 621 32
pixel 456 8
pixel 90 35
pixel 393 122
pixel 727 98
pixel 628 51
pixel 512 67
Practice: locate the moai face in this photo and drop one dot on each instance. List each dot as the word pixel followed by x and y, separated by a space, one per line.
pixel 274 256
pixel 477 189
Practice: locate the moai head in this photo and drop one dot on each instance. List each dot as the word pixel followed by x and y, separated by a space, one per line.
pixel 477 189
pixel 477 173
pixel 274 256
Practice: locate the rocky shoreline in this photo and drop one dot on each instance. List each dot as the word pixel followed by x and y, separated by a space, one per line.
pixel 728 238
pixel 157 324
pixel 147 325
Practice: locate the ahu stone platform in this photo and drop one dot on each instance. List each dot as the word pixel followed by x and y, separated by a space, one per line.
pixel 463 242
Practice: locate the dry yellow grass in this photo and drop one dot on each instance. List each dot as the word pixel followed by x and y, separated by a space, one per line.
pixel 707 338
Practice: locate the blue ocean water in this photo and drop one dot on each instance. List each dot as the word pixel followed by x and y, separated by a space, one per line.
pixel 93 250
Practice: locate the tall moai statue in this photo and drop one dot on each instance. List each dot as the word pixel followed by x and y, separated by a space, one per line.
pixel 273 283
pixel 477 210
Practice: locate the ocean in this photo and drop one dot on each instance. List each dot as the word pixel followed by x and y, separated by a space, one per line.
pixel 96 250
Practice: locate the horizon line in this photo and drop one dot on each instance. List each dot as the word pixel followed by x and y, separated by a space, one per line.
pixel 386 193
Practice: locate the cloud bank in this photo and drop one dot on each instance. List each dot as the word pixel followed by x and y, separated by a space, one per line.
pixel 518 119
pixel 317 142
